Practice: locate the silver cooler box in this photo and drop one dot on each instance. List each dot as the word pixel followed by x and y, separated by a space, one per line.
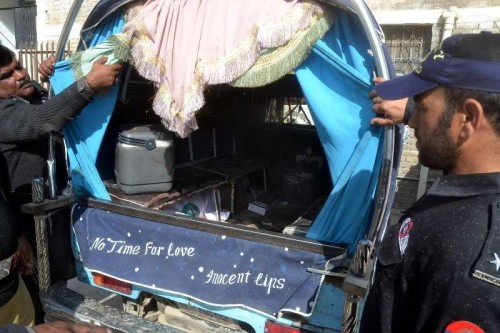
pixel 144 160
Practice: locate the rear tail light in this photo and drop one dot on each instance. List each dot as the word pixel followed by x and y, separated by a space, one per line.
pixel 112 283
pixel 272 327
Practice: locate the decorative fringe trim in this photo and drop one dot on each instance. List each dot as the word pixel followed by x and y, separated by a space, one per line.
pixel 147 65
pixel 228 69
pixel 121 46
pixel 76 62
pixel 193 99
pixel 182 121
pixel 216 71
pixel 163 103
pixel 277 33
pixel 288 31
pixel 142 57
pixel 283 60
pixel 117 45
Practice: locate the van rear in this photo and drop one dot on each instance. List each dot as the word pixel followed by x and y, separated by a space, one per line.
pixel 262 219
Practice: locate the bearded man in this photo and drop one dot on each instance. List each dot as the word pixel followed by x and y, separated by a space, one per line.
pixel 440 266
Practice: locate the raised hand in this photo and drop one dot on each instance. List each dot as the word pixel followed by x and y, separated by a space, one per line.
pixel 387 112
pixel 102 75
pixel 46 68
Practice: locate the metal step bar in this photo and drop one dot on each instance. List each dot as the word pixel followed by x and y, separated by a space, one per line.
pixel 62 303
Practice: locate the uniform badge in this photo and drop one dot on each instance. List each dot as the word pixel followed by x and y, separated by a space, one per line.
pixel 496 262
pixel 487 267
pixel 404 234
pixel 489 271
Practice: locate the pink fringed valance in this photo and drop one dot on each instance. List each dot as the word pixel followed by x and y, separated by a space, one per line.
pixel 185 45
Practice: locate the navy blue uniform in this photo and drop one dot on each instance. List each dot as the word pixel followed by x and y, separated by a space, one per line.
pixel 441 263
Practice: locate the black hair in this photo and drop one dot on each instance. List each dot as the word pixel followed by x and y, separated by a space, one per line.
pixel 6 56
pixel 488 100
pixel 483 46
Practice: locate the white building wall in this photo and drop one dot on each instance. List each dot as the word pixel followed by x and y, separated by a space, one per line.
pixel 52 15
pixel 7 28
pixel 467 20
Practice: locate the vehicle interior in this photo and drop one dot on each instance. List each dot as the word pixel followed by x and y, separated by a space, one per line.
pixel 256 159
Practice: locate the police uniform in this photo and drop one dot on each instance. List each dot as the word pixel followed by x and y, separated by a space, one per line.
pixel 441 263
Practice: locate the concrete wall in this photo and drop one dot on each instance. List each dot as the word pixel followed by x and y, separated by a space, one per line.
pixel 52 15
pixel 377 5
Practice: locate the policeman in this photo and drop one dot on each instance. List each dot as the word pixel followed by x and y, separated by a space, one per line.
pixel 441 263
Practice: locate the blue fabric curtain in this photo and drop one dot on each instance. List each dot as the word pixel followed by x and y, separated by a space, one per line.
pixel 84 134
pixel 336 80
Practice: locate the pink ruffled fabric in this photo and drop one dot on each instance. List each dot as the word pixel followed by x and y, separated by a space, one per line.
pixel 185 45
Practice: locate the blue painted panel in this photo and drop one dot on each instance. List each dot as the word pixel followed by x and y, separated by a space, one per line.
pixel 211 268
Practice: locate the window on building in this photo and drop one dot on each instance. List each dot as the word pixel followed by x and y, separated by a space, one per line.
pixel 25 27
pixel 292 110
pixel 408 45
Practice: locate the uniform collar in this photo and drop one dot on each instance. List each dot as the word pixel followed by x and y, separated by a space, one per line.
pixel 466 185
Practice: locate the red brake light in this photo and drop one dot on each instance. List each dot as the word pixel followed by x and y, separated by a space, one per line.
pixel 111 283
pixel 272 327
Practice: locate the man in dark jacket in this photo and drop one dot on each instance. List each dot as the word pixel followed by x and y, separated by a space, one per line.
pixel 440 266
pixel 28 117
pixel 26 120
pixel 13 293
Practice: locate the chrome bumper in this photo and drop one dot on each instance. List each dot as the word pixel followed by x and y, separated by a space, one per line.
pixel 61 303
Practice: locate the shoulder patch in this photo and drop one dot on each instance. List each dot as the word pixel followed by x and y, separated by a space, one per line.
pixel 489 273
pixel 487 267
pixel 404 234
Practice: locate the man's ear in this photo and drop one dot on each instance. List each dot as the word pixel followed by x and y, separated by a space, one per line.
pixel 471 118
